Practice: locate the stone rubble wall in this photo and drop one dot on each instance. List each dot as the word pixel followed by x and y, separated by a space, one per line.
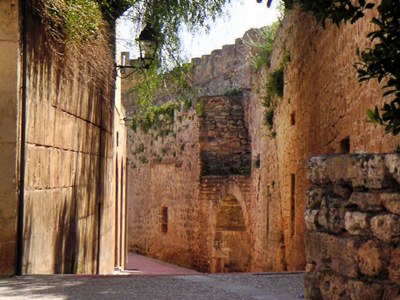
pixel 224 140
pixel 353 222
pixel 163 172
pixel 213 190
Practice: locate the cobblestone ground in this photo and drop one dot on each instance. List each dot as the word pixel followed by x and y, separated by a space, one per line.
pixel 233 287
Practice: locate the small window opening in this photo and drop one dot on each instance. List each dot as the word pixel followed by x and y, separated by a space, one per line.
pixel 117 137
pixel 293 202
pixel 345 145
pixel 292 118
pixel 164 219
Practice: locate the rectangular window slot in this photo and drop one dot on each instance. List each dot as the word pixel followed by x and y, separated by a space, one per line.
pixel 293 202
pixel 292 118
pixel 164 219
pixel 345 145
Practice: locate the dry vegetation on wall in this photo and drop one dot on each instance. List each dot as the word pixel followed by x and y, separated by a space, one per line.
pixel 77 33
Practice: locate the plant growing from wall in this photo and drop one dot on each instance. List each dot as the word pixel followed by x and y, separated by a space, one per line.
pixel 200 108
pixel 273 91
pixel 261 49
pixel 156 117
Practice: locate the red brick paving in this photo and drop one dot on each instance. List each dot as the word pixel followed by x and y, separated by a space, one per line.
pixel 143 265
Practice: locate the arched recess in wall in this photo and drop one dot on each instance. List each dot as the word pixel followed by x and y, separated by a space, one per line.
pixel 231 243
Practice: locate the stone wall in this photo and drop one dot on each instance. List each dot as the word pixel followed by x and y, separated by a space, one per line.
pixel 68 173
pixel 166 166
pixel 224 232
pixel 322 111
pixel 353 222
pixel 9 89
pixel 224 140
pixel 163 174
pixel 67 208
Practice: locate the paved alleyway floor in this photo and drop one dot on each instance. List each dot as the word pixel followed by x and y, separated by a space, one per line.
pixel 142 284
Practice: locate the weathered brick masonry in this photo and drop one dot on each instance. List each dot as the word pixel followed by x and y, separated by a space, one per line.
pixel 353 222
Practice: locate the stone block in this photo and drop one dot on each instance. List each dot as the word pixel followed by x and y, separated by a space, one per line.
pixel 331 253
pixel 392 162
pixel 356 223
pixel 374 173
pixel 342 191
pixel 343 256
pixel 312 284
pixel 386 228
pixel 331 214
pixel 9 65
pixel 391 201
pixel 366 201
pixel 357 289
pixel 370 259
pixel 357 170
pixel 311 219
pixel 394 265
pixel 314 197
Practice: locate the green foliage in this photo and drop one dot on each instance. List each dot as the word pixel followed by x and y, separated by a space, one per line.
pixel 275 82
pixel 260 53
pixel 72 21
pixel 274 88
pixel 382 62
pixel 156 117
pixel 143 159
pixel 233 92
pixel 187 104
pixel 139 149
pixel 268 118
pixel 200 108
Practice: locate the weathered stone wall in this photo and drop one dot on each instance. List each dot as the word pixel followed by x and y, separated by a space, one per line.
pixel 228 249
pixel 224 140
pixel 9 89
pixel 68 200
pixel 322 108
pixel 163 173
pixel 353 222
pixel 67 206
pixel 165 168
pixel 322 111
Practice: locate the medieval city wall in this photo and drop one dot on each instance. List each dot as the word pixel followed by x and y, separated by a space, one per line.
pixel 322 111
pixel 166 169
pixel 163 179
